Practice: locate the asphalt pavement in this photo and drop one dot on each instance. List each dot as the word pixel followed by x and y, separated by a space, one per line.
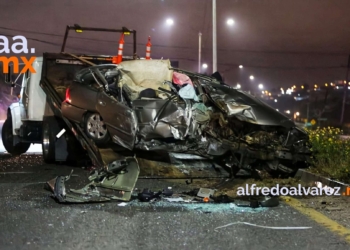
pixel 31 219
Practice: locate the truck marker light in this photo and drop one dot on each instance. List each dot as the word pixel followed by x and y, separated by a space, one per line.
pixel 60 133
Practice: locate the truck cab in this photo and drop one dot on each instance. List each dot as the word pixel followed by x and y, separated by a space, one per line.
pixel 23 125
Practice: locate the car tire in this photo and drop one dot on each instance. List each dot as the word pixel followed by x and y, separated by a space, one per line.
pixel 48 139
pixel 96 129
pixel 7 139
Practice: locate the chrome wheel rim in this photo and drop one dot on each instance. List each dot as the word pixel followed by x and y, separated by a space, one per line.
pixel 96 128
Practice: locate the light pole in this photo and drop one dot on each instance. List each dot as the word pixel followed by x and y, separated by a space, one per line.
pixel 199 51
pixel 345 88
pixel 229 22
pixel 214 38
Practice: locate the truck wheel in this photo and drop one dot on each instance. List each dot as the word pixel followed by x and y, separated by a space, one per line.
pixel 7 139
pixel 96 129
pixel 48 139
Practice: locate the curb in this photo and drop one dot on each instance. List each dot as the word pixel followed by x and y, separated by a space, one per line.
pixel 309 179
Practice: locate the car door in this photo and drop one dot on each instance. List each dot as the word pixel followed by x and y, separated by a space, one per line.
pixel 120 119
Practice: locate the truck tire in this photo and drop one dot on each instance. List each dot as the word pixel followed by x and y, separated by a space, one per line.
pixel 48 139
pixel 7 140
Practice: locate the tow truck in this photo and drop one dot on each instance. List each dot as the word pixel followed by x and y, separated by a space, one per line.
pixel 37 118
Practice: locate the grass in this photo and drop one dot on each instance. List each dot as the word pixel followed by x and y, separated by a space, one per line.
pixel 331 153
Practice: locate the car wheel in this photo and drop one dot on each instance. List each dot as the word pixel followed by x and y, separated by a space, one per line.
pixel 7 139
pixel 96 129
pixel 48 140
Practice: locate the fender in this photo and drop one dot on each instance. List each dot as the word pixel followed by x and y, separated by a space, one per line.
pixel 16 112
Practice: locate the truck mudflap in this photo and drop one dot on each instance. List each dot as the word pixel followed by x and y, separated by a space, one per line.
pixel 115 182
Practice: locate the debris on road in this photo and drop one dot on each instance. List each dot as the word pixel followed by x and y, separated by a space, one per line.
pixel 255 225
pixel 178 199
pixel 330 209
pixel 122 204
pixel 168 191
pixel 205 192
pixel 116 182
pixel 269 202
pixel 147 195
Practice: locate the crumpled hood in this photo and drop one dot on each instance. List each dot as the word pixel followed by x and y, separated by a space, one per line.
pixel 247 107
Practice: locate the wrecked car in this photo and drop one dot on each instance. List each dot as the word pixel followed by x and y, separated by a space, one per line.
pixel 145 105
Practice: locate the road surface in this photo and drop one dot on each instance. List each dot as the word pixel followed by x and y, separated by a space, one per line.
pixel 31 219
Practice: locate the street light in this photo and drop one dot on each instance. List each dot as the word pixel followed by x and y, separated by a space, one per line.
pixel 169 21
pixel 230 21
pixel 251 77
pixel 238 86
pixel 205 65
pixel 261 86
pixel 240 66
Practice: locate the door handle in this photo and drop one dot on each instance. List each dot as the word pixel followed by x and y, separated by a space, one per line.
pixel 101 103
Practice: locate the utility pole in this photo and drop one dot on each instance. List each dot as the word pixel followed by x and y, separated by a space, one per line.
pixel 199 51
pixel 214 38
pixel 345 92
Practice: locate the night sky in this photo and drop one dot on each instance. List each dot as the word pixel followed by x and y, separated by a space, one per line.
pixel 280 42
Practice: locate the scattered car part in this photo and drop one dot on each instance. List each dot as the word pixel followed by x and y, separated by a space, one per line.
pixel 250 203
pixel 269 201
pixel 116 182
pixel 205 192
pixel 176 199
pixel 147 195
pixel 266 201
pixel 168 191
